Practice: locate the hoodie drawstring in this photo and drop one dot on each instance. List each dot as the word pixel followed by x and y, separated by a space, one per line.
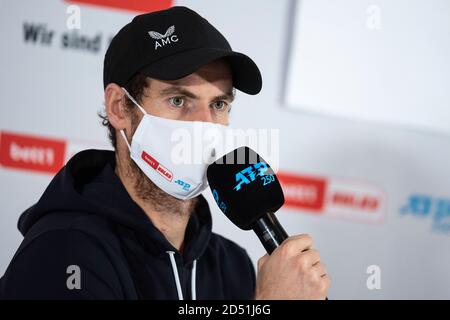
pixel 193 289
pixel 177 277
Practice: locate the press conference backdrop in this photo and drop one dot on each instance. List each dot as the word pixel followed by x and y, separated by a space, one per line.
pixel 358 89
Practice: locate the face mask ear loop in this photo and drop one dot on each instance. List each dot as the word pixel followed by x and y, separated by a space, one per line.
pixel 122 132
pixel 125 138
pixel 134 101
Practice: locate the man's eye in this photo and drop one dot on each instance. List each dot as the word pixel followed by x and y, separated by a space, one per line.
pixel 177 101
pixel 219 105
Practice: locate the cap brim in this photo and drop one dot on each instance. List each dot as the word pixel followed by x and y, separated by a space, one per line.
pixel 246 75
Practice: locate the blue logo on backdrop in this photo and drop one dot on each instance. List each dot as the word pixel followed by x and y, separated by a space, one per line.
pixel 428 207
pixel 249 174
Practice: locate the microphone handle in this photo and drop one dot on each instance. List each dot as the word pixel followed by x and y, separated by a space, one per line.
pixel 270 232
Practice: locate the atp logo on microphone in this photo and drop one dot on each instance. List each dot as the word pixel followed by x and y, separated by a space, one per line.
pixel 222 205
pixel 251 173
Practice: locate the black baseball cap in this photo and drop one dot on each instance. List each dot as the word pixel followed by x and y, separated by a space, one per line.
pixel 171 44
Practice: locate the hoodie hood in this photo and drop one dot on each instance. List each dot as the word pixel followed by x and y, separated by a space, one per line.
pixel 88 184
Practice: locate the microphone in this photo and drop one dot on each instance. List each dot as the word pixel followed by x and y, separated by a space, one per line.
pixel 248 192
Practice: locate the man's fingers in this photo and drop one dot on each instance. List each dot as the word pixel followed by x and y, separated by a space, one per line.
pixel 294 245
pixel 320 269
pixel 312 256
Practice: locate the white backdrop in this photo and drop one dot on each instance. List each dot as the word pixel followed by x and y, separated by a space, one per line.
pixel 385 61
pixel 370 192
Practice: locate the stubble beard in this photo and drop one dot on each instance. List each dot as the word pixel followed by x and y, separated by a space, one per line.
pixel 148 191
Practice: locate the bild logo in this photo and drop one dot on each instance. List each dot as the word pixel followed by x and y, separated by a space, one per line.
pixel 426 207
pixel 164 39
pixel 341 198
pixel 152 162
pixel 249 174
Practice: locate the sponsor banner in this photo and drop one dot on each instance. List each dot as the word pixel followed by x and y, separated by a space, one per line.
pixel 334 197
pixel 303 192
pixel 355 200
pixel 40 154
pixel 25 152
pixel 430 209
pixel 139 6
pixel 75 38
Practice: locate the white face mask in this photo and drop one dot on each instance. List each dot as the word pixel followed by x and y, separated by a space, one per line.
pixel 152 151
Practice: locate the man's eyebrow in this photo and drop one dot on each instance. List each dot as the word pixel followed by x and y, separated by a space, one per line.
pixel 177 90
pixel 182 91
pixel 226 96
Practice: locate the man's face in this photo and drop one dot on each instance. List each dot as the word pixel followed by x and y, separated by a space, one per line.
pixel 205 95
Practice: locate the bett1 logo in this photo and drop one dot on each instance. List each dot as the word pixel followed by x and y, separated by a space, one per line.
pixel 22 151
pixel 25 152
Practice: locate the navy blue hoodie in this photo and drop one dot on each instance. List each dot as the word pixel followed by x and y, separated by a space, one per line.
pixel 86 218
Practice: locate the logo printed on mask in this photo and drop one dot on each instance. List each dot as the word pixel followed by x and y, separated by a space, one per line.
pixel 186 186
pixel 166 38
pixel 157 166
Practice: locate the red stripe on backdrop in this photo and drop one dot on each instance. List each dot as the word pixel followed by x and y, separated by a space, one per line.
pixel 130 5
pixel 31 152
pixel 303 192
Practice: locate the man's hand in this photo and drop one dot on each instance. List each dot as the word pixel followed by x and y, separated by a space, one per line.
pixel 293 271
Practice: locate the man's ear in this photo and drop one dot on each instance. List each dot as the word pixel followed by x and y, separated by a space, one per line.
pixel 114 106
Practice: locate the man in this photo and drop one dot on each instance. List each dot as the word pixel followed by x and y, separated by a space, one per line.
pixel 131 224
